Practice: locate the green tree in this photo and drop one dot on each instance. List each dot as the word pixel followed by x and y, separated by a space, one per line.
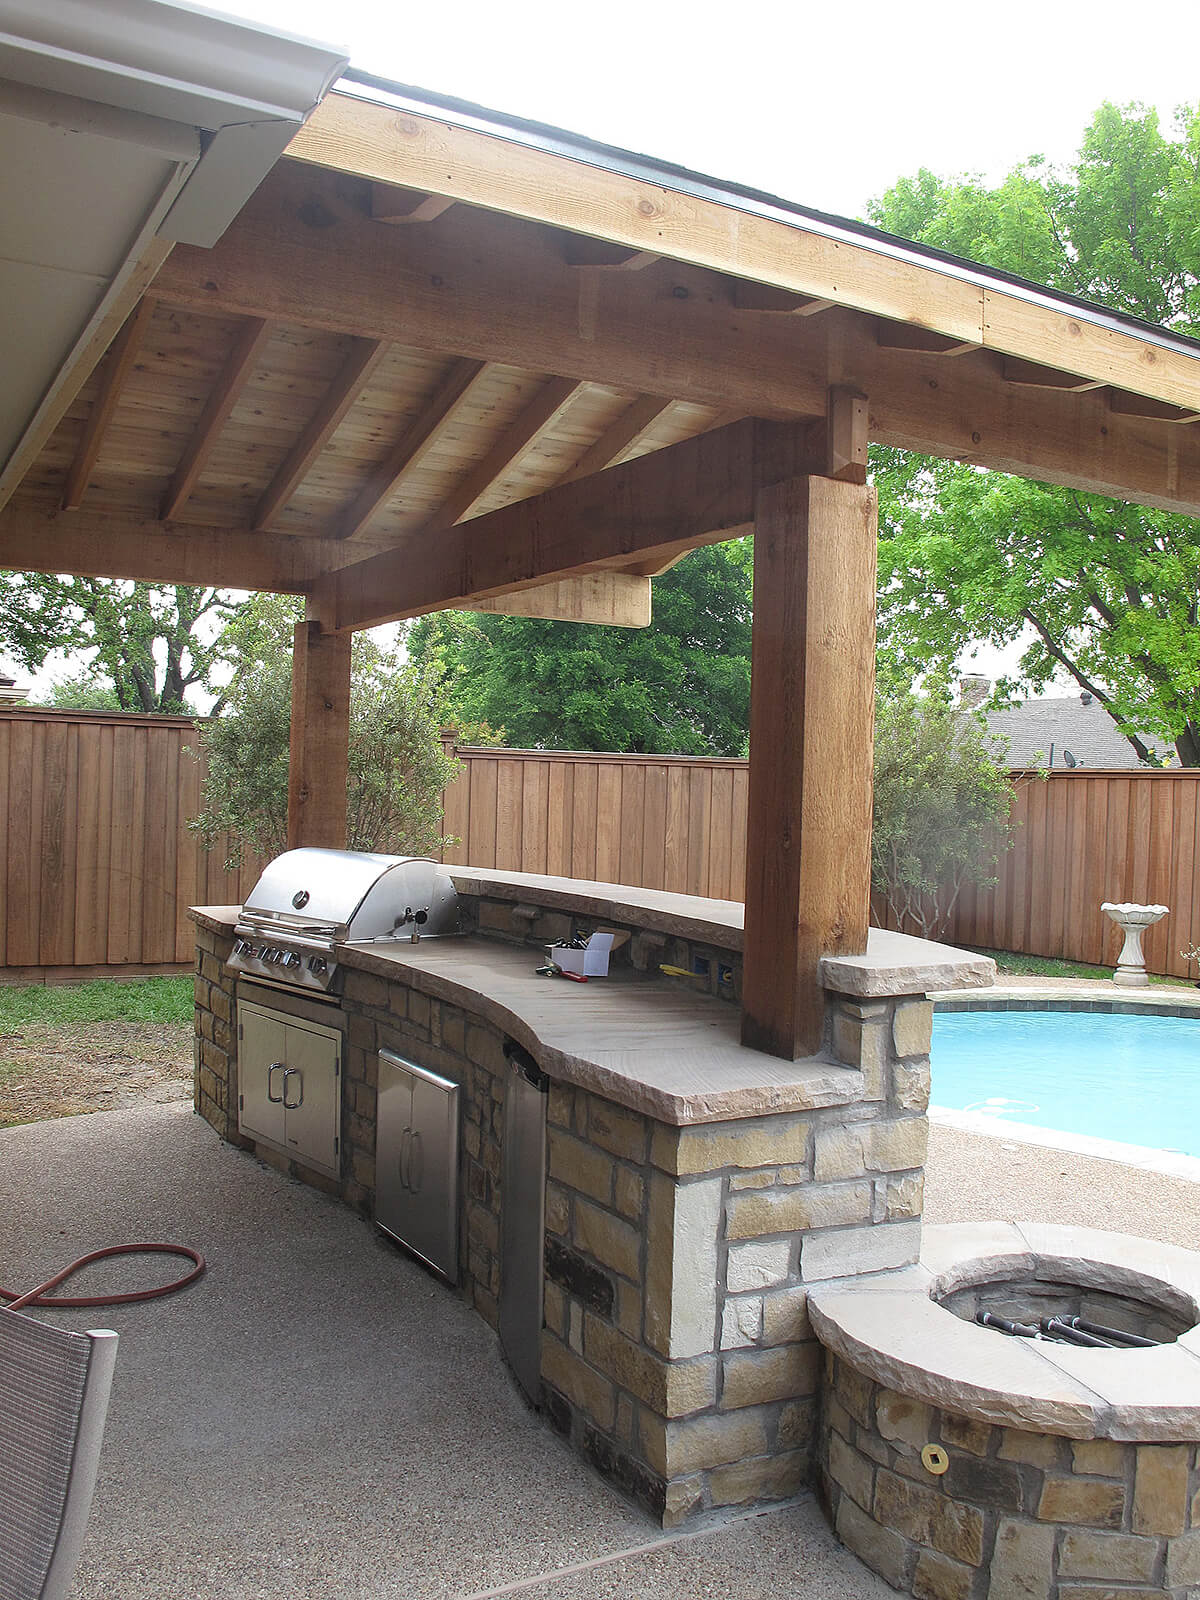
pixel 398 766
pixel 1110 591
pixel 147 645
pixel 680 686
pixel 942 805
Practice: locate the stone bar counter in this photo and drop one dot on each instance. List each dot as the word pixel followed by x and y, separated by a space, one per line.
pixel 696 1190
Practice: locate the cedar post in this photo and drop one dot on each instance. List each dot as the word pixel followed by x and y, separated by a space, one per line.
pixel 320 739
pixel 812 687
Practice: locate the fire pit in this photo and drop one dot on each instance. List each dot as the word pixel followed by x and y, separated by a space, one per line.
pixel 962 1463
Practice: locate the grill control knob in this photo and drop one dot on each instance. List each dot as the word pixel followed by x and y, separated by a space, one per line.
pixel 291 959
pixel 272 955
pixel 317 965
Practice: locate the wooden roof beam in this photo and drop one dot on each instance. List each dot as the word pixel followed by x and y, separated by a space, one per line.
pixel 411 448
pixel 612 599
pixel 249 340
pixel 37 538
pixel 364 356
pixel 698 492
pixel 118 364
pixel 580 251
pixel 401 206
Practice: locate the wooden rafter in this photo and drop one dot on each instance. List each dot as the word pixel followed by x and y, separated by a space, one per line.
pixel 630 428
pixel 1122 404
pixel 411 448
pixel 694 493
pixel 580 251
pixel 250 338
pixel 117 367
pixel 1036 375
pixel 777 302
pixel 538 417
pixel 365 355
pixel 909 336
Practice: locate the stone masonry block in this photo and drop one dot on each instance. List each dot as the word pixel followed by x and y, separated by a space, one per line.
pixel 851 1471
pixel 842 1252
pixel 1098 1458
pixel 586 1388
pixel 629 1192
pixel 912 1025
pixel 1020 1564
pixel 608 1239
pixel 884 1551
pixel 672 1448
pixel 838 1153
pixel 1034 1449
pixel 673 1389
pixel 927 1518
pixel 1094 1505
pixel 757 1377
pixel 1121 1556
pixel 755 1142
pixel 937 1577
pixel 900 1418
pixel 580 1166
pixel 1183 1560
pixel 620 1132
pixel 862 1044
pixel 910 1085
pixel 558 1208
pixel 797 1210
pixel 741 1321
pixel 1160 1489
pixel 681 1265
pixel 963 1434
pixel 905 1197
pixel 559 1102
pixel 758 1264
pixel 774 1477
pixel 896 1146
pixel 785 1317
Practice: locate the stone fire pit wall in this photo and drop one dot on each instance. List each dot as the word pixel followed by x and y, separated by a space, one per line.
pixel 677 1354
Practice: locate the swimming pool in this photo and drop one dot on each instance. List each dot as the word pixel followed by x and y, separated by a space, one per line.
pixel 1133 1079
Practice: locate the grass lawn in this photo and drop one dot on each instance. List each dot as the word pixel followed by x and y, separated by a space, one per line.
pixel 100 1000
pixel 1050 967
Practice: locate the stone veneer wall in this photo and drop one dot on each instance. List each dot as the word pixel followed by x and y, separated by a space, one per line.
pixel 1016 1515
pixel 677 1353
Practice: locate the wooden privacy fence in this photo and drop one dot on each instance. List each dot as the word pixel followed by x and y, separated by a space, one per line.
pixel 678 823
pixel 97 865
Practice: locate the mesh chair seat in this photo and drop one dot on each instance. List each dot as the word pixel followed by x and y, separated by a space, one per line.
pixel 54 1389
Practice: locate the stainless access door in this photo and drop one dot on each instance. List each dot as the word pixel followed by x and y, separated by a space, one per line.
pixel 416 1161
pixel 262 1052
pixel 523 1218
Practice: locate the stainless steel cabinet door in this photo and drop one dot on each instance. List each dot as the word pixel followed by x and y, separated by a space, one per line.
pixel 416 1161
pixel 262 1050
pixel 311 1092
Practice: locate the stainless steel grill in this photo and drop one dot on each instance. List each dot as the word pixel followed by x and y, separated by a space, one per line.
pixel 308 901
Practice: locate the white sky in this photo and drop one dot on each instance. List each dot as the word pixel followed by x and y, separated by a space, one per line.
pixel 824 104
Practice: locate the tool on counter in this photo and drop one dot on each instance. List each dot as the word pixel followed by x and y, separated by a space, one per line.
pixel 682 972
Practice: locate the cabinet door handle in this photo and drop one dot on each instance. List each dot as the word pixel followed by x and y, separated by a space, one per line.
pixel 417 1151
pixel 276 1066
pixel 292 1072
pixel 405 1149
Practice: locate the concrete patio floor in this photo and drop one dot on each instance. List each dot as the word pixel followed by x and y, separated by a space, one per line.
pixel 318 1418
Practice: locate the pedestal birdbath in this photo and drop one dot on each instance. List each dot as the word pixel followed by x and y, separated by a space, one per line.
pixel 1134 920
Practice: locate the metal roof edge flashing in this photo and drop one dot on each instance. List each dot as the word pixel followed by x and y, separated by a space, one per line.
pixel 649 169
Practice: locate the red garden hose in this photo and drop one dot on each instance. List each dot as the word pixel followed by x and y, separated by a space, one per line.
pixel 41 1296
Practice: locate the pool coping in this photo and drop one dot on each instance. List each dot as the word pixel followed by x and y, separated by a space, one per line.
pixel 1170 1163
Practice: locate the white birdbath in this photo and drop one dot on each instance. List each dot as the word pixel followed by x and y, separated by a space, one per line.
pixel 1134 920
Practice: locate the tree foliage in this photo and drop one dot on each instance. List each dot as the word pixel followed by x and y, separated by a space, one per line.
pixel 1111 592
pixel 147 645
pixel 680 686
pixel 942 805
pixel 398 766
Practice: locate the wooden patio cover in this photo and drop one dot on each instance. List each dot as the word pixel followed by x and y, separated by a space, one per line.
pixel 441 361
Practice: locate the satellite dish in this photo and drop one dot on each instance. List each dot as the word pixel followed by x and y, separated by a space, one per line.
pixel 1069 760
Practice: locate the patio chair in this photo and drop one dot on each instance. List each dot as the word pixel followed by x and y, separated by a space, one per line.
pixel 54 1389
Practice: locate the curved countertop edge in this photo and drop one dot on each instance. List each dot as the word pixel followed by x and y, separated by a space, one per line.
pixel 745 1083
pixel 892 964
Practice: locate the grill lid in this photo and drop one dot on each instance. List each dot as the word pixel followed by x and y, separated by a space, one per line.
pixel 351 894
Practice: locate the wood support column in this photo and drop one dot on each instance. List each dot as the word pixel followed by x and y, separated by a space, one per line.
pixel 812 704
pixel 320 741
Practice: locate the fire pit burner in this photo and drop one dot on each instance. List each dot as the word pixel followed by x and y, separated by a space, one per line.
pixel 958 1461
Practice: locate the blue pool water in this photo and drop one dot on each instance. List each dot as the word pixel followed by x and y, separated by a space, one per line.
pixel 1135 1079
